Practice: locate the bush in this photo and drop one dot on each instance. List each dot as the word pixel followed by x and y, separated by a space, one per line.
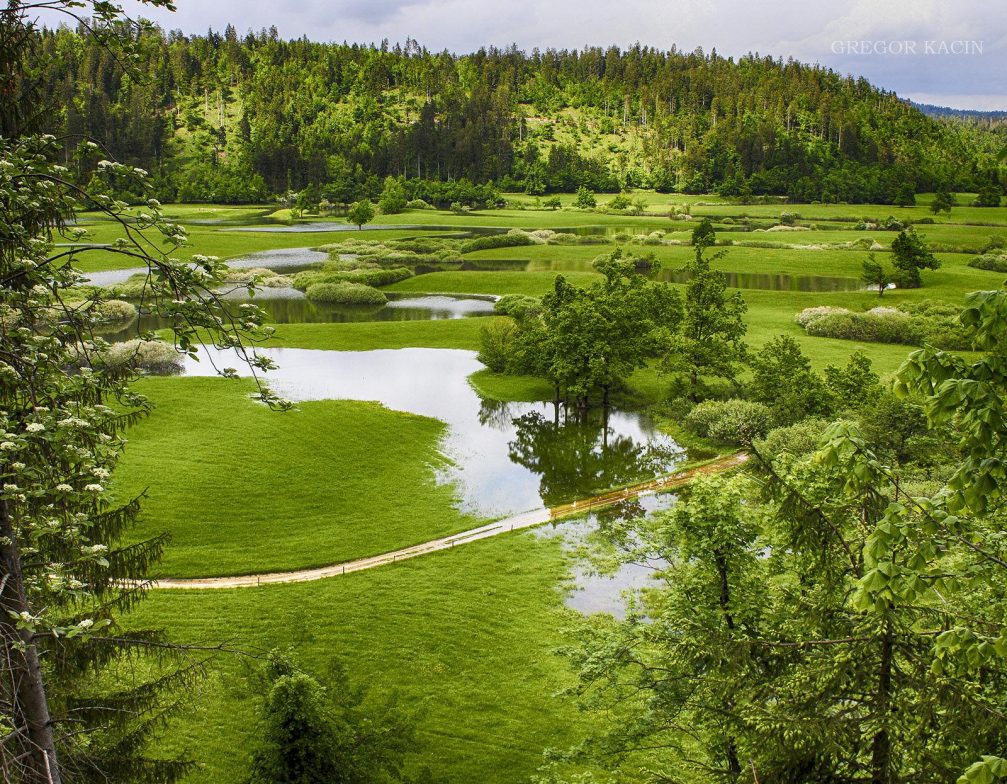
pixel 153 356
pixel 730 421
pixel 497 342
pixel 619 202
pixel 345 294
pixel 518 306
pixel 419 204
pixel 260 275
pixel 873 328
pixel 133 287
pixel 990 261
pixel 808 315
pixel 366 276
pixel 911 324
pixel 114 311
pixel 489 241
pixel 799 439
pixel 995 242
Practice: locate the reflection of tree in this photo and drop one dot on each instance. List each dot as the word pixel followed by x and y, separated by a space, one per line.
pixel 578 455
pixel 495 414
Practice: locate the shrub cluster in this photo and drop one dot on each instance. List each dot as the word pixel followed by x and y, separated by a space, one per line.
pixel 419 250
pixel 131 288
pixel 732 421
pixel 891 223
pixel 490 241
pixel 114 311
pixel 343 293
pixel 518 306
pixel 993 262
pixel 260 275
pixel 910 324
pixel 153 356
pixel 366 276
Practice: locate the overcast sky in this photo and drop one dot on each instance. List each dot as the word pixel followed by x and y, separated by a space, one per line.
pixel 949 52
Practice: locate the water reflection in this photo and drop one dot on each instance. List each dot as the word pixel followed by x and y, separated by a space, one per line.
pixel 771 281
pixel 289 306
pixel 597 590
pixel 280 259
pixel 503 458
pixel 577 454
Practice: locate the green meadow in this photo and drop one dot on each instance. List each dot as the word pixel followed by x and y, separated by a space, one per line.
pixel 467 638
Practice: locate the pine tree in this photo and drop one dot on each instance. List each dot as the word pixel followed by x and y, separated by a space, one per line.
pixel 80 693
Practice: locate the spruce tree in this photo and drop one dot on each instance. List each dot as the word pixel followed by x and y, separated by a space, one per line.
pixel 80 691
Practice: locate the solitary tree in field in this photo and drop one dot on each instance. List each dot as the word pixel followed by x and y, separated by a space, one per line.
pixel 393 197
pixel 585 199
pixel 361 212
pixel 988 196
pixel 710 341
pixel 704 235
pixel 587 340
pixel 943 201
pixel 875 275
pixel 910 256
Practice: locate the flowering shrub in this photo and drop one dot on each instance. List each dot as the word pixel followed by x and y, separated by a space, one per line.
pixel 153 356
pixel 808 315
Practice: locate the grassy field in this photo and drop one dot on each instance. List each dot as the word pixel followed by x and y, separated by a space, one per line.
pixel 465 637
pixel 242 489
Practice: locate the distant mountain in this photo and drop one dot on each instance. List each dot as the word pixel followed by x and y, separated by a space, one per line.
pixel 996 116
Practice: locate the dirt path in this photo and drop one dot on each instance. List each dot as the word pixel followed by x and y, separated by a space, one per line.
pixel 515 523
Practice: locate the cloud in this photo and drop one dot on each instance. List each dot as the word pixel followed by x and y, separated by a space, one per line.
pixel 782 28
pixel 367 11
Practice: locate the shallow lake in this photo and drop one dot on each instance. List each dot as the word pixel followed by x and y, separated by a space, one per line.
pixel 737 280
pixel 281 259
pixel 503 458
pixel 595 591
pixel 290 306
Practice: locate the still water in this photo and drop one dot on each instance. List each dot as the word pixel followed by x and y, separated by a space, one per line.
pixel 281 260
pixel 606 591
pixel 289 306
pixel 503 458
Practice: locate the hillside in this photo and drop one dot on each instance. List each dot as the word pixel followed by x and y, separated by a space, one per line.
pixel 988 117
pixel 225 118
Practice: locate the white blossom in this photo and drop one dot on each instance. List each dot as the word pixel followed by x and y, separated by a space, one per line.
pixel 35 427
pixel 93 488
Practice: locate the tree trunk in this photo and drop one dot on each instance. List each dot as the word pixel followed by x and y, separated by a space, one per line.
pixel 31 709
pixel 733 763
pixel 881 745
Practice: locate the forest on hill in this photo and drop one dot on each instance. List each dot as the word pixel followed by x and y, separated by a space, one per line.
pixel 227 118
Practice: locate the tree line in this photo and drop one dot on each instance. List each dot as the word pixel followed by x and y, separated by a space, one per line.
pixel 230 118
